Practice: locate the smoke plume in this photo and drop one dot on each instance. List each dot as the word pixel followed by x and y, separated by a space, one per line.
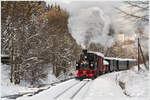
pixel 90 26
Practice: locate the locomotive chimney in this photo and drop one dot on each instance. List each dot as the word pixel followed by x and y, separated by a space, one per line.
pixel 84 51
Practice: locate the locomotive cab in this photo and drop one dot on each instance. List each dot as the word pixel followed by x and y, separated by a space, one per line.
pixel 87 66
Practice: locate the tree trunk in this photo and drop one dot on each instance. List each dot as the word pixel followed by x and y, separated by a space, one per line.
pixel 11 61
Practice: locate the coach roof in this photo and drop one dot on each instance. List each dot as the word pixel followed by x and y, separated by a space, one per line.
pixel 97 53
pixel 120 59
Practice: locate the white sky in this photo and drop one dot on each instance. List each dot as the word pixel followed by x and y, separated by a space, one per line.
pixel 73 6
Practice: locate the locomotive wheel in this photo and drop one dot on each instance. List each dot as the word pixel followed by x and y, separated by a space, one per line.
pixel 93 78
pixel 80 79
pixel 100 73
pixel 76 78
pixel 104 72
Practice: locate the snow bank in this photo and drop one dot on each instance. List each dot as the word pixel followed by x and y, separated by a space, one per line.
pixel 8 88
pixel 136 83
pixel 90 26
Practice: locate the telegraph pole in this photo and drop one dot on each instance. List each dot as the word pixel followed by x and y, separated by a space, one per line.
pixel 140 51
pixel 138 56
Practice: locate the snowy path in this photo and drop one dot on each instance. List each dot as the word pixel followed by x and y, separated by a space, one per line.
pixel 85 90
pixel 71 93
pixel 104 88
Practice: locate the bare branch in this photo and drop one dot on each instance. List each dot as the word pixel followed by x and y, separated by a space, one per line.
pixel 132 15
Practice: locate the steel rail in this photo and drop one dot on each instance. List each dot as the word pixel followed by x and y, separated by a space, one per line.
pixel 66 90
pixel 78 90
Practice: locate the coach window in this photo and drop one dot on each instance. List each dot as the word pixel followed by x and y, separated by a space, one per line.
pixel 127 64
pixel 95 66
pixel 117 65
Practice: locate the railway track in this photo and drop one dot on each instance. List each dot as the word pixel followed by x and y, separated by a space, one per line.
pixel 72 87
pixel 78 90
pixel 66 90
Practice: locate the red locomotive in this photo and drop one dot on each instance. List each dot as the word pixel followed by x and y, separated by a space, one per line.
pixel 90 65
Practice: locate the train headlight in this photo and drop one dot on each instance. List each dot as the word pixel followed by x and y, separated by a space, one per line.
pixel 76 64
pixel 92 65
pixel 84 62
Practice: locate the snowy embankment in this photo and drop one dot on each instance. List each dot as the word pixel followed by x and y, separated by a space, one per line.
pixel 134 84
pixel 8 88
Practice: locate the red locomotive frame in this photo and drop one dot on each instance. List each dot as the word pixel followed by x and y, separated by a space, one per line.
pixel 90 65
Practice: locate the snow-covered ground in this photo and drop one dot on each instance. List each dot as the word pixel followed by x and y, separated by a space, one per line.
pixel 8 88
pixel 105 87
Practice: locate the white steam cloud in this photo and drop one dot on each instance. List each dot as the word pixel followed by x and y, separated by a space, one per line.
pixel 90 26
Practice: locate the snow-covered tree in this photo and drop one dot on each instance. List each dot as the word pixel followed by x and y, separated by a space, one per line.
pixel 35 38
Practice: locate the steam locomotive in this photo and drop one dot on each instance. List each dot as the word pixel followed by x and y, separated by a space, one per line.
pixel 92 64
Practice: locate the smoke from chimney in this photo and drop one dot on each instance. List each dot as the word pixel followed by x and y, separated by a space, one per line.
pixel 90 26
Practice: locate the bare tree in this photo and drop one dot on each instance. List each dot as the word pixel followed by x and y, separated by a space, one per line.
pixel 137 11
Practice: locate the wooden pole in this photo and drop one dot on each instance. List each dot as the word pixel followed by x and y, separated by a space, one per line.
pixel 144 61
pixel 138 56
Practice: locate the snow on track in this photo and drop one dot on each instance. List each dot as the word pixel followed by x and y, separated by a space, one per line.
pixel 78 91
pixel 66 90
pixel 51 93
pixel 83 92
pixel 71 93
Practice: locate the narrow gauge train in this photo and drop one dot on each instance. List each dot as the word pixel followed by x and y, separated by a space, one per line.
pixel 90 65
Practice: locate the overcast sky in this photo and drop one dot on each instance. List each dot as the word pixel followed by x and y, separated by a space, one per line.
pixel 74 6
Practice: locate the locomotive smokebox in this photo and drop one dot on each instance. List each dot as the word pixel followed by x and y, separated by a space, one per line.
pixel 84 51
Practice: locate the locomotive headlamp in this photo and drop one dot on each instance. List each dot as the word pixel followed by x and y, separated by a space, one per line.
pixel 91 64
pixel 76 64
pixel 84 62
